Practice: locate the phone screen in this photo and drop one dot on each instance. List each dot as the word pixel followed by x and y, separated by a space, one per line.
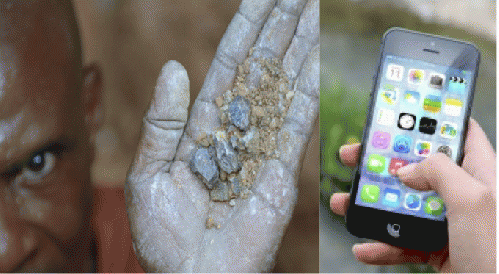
pixel 419 109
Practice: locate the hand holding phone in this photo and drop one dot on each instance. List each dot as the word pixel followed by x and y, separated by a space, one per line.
pixel 469 195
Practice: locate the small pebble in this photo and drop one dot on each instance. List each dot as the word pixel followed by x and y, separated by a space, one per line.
pixel 221 193
pixel 239 112
pixel 203 164
pixel 227 157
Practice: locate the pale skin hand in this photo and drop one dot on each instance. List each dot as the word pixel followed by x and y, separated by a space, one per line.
pixel 469 193
pixel 168 206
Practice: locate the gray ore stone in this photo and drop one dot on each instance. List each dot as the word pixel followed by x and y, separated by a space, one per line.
pixel 204 166
pixel 227 157
pixel 239 112
pixel 221 192
pixel 235 186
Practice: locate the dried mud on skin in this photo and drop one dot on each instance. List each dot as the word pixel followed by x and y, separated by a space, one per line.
pixel 228 160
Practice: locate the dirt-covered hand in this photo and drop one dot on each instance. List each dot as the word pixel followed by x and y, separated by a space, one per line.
pixel 168 205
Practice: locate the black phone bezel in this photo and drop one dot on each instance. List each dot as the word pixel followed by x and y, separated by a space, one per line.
pixel 372 223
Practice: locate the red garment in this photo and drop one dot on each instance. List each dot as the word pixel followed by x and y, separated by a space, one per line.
pixel 113 240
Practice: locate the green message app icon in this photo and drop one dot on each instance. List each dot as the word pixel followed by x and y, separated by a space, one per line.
pixel 376 163
pixel 370 193
pixel 434 206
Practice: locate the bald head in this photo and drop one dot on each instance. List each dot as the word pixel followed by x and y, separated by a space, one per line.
pixel 44 26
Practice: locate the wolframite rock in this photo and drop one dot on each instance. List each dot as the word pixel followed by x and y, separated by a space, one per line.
pixel 204 165
pixel 239 112
pixel 227 157
pixel 221 192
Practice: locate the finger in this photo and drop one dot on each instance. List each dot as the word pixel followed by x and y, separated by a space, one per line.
pixel 239 37
pixel 349 154
pixel 302 113
pixel 164 122
pixel 479 156
pixel 339 203
pixel 305 38
pixel 440 173
pixel 384 254
pixel 275 37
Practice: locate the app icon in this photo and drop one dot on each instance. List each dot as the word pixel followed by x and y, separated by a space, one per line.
pixel 434 206
pixel 402 144
pixel 411 97
pixel 453 107
pixel 395 72
pixel 415 76
pixel 406 121
pixel 427 125
pixel 381 139
pixel 448 130
pixel 370 193
pixel 445 150
pixel 391 197
pixel 395 164
pixel 432 103
pixel 457 85
pixel 376 163
pixel 386 117
pixel 422 148
pixel 437 80
pixel 390 94
pixel 412 201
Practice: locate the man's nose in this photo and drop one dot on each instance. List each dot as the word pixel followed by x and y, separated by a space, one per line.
pixel 17 241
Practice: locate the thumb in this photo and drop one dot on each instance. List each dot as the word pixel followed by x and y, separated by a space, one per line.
pixel 440 173
pixel 164 122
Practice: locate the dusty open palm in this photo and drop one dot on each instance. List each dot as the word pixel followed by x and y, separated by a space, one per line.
pixel 168 205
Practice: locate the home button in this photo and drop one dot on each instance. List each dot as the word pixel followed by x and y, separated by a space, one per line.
pixel 393 230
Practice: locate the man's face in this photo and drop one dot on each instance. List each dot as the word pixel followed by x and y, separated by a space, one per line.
pixel 45 158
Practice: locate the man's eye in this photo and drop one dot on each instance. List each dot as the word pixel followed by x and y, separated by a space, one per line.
pixel 40 165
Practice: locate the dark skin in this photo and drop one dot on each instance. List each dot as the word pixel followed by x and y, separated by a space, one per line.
pixel 49 111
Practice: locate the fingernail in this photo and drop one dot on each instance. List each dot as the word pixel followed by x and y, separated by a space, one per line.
pixel 405 170
pixel 331 201
pixel 355 249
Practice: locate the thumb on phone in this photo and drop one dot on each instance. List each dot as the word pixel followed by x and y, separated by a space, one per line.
pixel 438 172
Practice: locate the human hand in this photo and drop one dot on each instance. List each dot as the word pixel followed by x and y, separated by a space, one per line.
pixel 168 205
pixel 469 195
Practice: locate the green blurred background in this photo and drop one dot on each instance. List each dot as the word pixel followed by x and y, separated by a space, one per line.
pixel 351 32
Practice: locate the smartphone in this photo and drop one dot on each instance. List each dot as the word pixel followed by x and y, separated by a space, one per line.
pixel 420 105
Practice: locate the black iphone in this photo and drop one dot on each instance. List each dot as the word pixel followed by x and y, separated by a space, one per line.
pixel 420 105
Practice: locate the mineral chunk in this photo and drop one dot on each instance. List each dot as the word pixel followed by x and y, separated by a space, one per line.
pixel 239 112
pixel 227 158
pixel 235 186
pixel 221 193
pixel 203 164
